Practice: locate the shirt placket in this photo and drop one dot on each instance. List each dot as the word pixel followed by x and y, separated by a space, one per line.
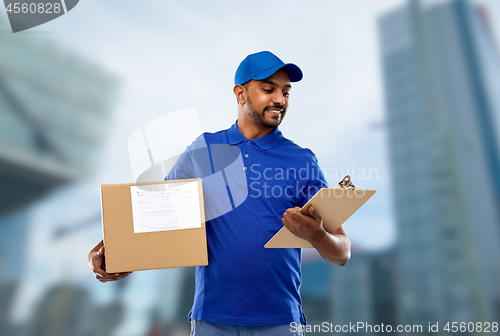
pixel 247 148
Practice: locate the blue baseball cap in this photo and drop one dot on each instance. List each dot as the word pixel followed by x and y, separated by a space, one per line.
pixel 262 65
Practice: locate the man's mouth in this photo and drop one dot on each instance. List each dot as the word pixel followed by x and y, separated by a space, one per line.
pixel 275 111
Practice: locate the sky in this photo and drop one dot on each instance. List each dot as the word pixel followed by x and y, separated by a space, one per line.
pixel 172 55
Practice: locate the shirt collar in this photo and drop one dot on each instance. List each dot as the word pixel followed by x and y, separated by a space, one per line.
pixel 266 142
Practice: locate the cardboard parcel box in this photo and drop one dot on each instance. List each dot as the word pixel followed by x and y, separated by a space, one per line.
pixel 153 225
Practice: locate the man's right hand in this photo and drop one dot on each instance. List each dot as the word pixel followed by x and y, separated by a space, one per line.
pixel 96 259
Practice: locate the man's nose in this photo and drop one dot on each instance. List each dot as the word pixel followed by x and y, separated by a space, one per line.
pixel 278 98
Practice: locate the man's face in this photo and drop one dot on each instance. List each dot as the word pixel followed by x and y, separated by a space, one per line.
pixel 267 99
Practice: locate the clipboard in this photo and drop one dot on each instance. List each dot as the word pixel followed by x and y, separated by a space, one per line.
pixel 334 205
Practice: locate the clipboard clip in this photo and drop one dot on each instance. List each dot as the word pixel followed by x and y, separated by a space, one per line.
pixel 346 183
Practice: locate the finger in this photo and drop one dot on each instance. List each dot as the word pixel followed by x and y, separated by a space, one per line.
pixel 112 277
pixel 314 214
pixel 97 266
pixel 118 275
pixel 295 213
pixel 122 275
pixel 96 260
pixel 105 277
pixel 290 213
pixel 102 278
pixel 288 221
pixel 286 217
pixel 99 274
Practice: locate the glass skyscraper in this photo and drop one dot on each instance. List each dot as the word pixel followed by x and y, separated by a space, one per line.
pixel 441 75
pixel 55 109
pixel 364 290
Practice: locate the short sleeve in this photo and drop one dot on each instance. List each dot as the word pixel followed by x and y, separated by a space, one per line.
pixel 315 181
pixel 194 162
pixel 183 168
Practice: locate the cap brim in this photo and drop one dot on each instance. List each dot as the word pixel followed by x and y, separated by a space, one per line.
pixel 294 72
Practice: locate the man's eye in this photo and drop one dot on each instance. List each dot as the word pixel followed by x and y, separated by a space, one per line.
pixel 268 91
pixel 286 94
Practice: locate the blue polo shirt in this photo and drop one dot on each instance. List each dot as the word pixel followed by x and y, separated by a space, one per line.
pixel 248 185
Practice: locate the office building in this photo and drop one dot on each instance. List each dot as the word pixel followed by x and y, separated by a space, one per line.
pixel 441 74
pixel 364 290
pixel 54 113
pixel 55 108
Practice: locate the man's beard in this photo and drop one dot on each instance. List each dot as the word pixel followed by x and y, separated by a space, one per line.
pixel 260 117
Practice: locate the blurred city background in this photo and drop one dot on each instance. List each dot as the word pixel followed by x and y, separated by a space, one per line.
pixel 402 95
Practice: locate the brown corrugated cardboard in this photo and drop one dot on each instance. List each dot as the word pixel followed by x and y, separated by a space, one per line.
pixel 128 251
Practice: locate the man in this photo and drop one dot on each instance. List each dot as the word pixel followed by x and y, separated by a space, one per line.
pixel 245 287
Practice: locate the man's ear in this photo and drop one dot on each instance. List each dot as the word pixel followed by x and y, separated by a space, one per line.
pixel 240 93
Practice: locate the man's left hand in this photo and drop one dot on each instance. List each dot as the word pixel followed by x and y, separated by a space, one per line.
pixel 305 227
pixel 334 248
